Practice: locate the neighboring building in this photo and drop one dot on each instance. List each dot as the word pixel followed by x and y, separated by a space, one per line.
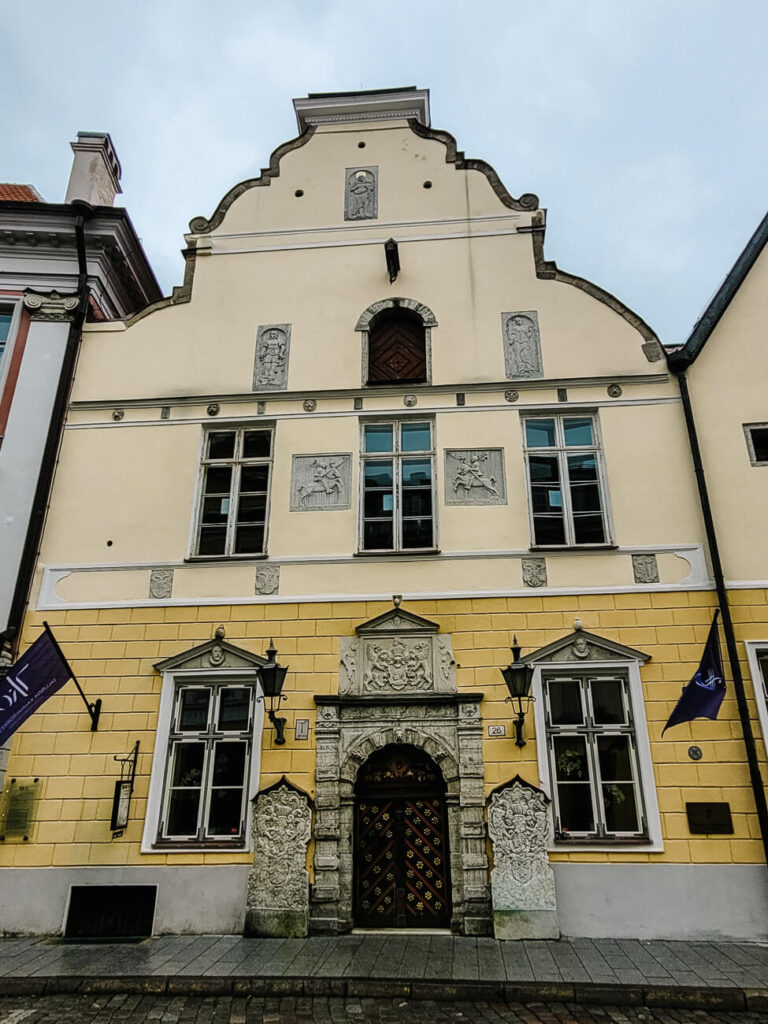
pixel 42 282
pixel 373 383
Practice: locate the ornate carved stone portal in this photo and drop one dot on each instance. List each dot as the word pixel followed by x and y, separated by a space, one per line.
pixel 522 880
pixel 397 687
pixel 270 371
pixel 522 344
pixel 277 899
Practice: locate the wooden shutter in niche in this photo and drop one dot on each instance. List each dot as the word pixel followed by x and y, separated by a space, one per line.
pixel 397 348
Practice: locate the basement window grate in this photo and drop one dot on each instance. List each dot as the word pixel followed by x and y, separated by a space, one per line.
pixel 100 913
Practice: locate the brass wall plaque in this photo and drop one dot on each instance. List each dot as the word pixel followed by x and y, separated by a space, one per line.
pixel 17 809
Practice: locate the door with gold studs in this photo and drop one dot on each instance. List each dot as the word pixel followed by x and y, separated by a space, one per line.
pixel 402 877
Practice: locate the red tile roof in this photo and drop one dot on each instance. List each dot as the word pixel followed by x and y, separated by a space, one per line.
pixel 20 193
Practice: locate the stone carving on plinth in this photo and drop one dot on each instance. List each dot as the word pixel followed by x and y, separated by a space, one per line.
pixel 361 201
pixel 522 880
pixel 270 371
pixel 522 344
pixel 277 898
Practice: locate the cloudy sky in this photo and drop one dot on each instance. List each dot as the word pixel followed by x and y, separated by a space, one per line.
pixel 641 124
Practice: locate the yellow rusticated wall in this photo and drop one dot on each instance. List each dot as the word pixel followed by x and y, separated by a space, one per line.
pixel 113 652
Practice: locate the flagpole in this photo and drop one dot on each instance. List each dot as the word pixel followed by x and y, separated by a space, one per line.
pixel 94 710
pixel 678 367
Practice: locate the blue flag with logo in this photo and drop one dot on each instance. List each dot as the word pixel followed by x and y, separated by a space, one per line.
pixel 36 676
pixel 702 697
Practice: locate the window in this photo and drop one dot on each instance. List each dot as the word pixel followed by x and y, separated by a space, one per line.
pixel 234 492
pixel 6 317
pixel 757 443
pixel 397 350
pixel 398 486
pixel 563 460
pixel 592 757
pixel 208 763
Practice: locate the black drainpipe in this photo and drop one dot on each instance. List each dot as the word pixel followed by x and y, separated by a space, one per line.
pixel 679 364
pixel 83 211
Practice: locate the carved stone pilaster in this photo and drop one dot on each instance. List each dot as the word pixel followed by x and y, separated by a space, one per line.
pixel 51 306
pixel 522 880
pixel 277 898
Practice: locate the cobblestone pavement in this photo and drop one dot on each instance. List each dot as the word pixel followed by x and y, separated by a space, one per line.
pixel 144 1009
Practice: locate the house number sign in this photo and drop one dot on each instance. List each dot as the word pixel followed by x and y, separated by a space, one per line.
pixel 497 730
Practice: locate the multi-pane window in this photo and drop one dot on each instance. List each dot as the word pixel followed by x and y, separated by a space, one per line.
pixel 234 493
pixel 6 316
pixel 592 757
pixel 564 479
pixel 757 443
pixel 398 486
pixel 209 755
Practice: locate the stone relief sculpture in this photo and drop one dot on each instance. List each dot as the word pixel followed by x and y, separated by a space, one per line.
pixel 522 344
pixel 475 477
pixel 320 482
pixel 161 584
pixel 398 665
pixel 645 568
pixel 277 897
pixel 270 371
pixel 268 579
pixel 361 193
pixel 534 572
pixel 522 880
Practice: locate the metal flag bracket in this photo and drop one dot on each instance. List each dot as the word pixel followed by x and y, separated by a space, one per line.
pixel 94 709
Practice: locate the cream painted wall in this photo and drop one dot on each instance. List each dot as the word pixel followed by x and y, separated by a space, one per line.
pixel 727 384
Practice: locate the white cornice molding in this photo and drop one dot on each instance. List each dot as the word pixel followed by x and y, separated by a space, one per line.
pixel 383 105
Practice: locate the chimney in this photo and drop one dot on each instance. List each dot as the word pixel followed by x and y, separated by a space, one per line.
pixel 96 170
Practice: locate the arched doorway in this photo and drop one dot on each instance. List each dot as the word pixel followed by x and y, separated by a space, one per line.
pixel 401 854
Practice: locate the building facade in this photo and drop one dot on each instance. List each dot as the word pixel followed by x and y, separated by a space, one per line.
pixel 377 428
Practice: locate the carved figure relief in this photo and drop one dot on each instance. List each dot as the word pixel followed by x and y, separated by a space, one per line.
pixel 348 651
pixel 361 199
pixel 270 372
pixel 321 482
pixel 397 665
pixel 519 828
pixel 279 881
pixel 475 477
pixel 534 572
pixel 268 579
pixel 645 568
pixel 522 344
pixel 161 583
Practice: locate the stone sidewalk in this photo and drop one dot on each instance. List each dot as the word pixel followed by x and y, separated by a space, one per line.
pixel 707 975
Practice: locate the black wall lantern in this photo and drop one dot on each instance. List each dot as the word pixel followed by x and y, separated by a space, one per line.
pixel 518 676
pixel 272 677
pixel 393 259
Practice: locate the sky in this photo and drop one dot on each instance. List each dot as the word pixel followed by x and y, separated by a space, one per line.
pixel 640 124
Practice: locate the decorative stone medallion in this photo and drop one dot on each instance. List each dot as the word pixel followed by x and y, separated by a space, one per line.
pixel 277 898
pixel 534 572
pixel 267 579
pixel 511 396
pixel 522 344
pixel 645 568
pixel 161 584
pixel 321 482
pixel 475 476
pixel 522 880
pixel 361 193
pixel 270 371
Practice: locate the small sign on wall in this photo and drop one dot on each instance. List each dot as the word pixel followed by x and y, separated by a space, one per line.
pixel 302 728
pixel 497 730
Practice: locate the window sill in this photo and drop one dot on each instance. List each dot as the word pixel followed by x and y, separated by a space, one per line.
pixel 574 547
pixel 193 846
pixel 397 554
pixel 226 558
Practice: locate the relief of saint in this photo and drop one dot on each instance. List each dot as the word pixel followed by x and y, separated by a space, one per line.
pixel 522 346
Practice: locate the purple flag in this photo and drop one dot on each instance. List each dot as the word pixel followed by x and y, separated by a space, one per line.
pixel 702 697
pixel 36 676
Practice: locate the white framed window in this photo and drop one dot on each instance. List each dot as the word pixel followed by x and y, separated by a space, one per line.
pixel 566 489
pixel 594 756
pixel 206 764
pixel 397 499
pixel 10 315
pixel 757 656
pixel 756 435
pixel 234 492
pixel 6 319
